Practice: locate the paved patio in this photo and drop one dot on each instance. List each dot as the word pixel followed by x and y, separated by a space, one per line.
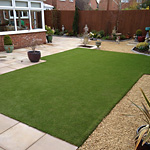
pixel 19 59
pixel 15 135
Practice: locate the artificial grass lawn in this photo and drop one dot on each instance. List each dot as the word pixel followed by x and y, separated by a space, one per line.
pixel 72 92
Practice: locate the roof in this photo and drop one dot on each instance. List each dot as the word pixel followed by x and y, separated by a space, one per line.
pixel 48 7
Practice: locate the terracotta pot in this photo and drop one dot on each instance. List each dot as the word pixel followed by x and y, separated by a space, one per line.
pixel 146 146
pixel 141 38
pixel 34 56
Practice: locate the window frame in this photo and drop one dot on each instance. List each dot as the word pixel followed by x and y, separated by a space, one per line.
pixel 14 8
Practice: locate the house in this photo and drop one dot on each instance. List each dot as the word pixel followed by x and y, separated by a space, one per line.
pixel 23 20
pixel 62 4
pixel 87 4
pixel 117 4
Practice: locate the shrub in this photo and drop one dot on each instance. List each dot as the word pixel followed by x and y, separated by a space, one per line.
pixel 139 32
pixel 7 40
pixel 57 32
pixel 49 31
pixel 71 33
pixel 76 22
pixel 102 33
pixel 142 46
pixel 122 37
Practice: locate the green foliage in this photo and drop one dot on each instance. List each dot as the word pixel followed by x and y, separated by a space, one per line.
pixel 144 133
pixel 102 33
pixel 139 32
pixel 7 40
pixel 143 46
pixel 76 22
pixel 71 33
pixel 146 3
pixel 57 32
pixel 49 31
pixel 122 37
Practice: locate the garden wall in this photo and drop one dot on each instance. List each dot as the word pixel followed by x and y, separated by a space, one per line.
pixel 127 20
pixel 24 40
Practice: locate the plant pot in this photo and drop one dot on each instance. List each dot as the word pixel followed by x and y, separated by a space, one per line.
pixel 141 38
pixel 9 48
pixel 146 146
pixel 49 38
pixel 34 56
pixel 98 44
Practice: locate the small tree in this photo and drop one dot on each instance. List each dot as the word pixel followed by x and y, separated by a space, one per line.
pixel 75 22
pixel 146 3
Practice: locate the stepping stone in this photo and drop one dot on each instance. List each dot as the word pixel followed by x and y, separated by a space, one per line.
pixel 49 142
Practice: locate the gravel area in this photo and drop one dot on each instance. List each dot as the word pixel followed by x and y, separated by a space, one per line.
pixel 117 130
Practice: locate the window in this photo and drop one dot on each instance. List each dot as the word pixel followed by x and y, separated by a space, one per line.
pixel 16 15
pixel 21 4
pixel 62 0
pixel 139 1
pixel 6 23
pixel 5 3
pixel 23 14
pixel 71 0
pixel 36 18
pixel 124 1
pixel 22 24
pixel 36 5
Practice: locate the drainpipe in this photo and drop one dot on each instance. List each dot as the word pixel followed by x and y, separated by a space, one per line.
pixel 108 5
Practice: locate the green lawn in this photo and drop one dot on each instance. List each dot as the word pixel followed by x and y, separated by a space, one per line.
pixel 72 92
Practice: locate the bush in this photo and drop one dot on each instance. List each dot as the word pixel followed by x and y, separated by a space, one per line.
pixel 57 32
pixel 122 37
pixel 139 32
pixel 102 33
pixel 76 22
pixel 7 40
pixel 142 46
pixel 49 31
pixel 71 33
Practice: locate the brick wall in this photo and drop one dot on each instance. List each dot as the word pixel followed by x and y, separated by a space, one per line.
pixel 24 40
pixel 65 5
pixel 62 5
pixel 93 4
pixel 113 5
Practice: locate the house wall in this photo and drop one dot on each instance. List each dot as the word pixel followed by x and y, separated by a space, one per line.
pixel 24 40
pixel 62 5
pixel 93 4
pixel 113 5
pixel 65 5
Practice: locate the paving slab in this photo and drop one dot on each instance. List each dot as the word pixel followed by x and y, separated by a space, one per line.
pixel 6 69
pixel 19 137
pixel 1 149
pixel 6 123
pixel 48 142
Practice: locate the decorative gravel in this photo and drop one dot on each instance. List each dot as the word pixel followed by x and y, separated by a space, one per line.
pixel 118 129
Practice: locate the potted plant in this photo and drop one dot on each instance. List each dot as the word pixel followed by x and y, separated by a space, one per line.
pixel 8 45
pixel 143 132
pixel 139 35
pixel 34 56
pixel 49 33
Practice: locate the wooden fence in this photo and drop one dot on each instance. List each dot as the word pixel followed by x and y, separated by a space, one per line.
pixel 127 21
